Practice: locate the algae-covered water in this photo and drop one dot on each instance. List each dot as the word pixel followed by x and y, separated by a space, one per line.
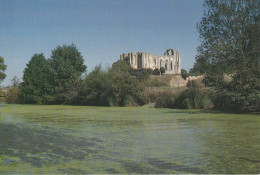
pixel 79 140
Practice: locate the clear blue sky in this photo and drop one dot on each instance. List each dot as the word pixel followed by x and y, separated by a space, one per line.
pixel 100 29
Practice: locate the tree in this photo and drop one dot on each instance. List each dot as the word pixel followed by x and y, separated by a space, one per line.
pixel 201 66
pixel 184 74
pixel 229 33
pixel 67 65
pixel 13 92
pixel 122 88
pixel 2 69
pixel 162 70
pixel 94 88
pixel 36 81
pixel 142 75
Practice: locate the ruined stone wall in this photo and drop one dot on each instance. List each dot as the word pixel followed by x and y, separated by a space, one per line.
pixel 171 61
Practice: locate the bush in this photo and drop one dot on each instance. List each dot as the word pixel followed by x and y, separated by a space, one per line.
pixel 192 84
pixel 13 93
pixel 164 99
pixel 184 74
pixel 193 98
pixel 2 95
pixel 12 96
pixel 156 72
pixel 162 70
pixel 129 101
pixel 239 103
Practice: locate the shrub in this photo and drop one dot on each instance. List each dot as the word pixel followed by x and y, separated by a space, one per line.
pixel 12 96
pixel 193 98
pixel 156 72
pixel 184 74
pixel 162 70
pixel 233 102
pixel 2 95
pixel 13 93
pixel 193 84
pixel 129 101
pixel 164 100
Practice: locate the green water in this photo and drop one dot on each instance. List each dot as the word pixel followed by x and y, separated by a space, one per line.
pixel 78 140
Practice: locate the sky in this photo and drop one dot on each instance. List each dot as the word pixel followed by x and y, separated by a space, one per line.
pixel 100 29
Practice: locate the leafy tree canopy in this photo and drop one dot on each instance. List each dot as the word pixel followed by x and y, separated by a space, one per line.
pixel 162 70
pixel 124 89
pixel 2 69
pixel 94 89
pixel 229 33
pixel 222 32
pixel 67 65
pixel 36 80
pixel 184 74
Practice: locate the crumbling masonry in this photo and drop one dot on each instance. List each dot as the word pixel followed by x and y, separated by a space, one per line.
pixel 171 61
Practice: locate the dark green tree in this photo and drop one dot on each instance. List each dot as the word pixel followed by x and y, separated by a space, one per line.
pixel 94 88
pixel 67 66
pixel 36 81
pixel 229 33
pixel 184 74
pixel 2 69
pixel 124 89
pixel 162 70
pixel 201 66
pixel 142 75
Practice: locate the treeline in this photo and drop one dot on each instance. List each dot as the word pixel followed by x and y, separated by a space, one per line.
pixel 60 80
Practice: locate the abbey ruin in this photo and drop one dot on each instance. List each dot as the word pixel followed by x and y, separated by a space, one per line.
pixel 171 61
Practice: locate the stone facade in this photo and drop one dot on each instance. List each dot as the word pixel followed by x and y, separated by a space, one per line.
pixel 171 61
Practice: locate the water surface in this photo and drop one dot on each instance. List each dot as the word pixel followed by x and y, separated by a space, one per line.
pixel 78 140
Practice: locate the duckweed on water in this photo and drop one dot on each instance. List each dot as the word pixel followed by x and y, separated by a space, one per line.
pixel 78 140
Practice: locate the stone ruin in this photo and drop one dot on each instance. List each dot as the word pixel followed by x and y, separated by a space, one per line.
pixel 171 61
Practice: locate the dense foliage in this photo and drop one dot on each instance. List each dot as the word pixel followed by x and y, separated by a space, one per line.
pixel 13 93
pixel 193 98
pixel 184 74
pixel 67 66
pixel 58 80
pixel 124 89
pixel 230 46
pixel 162 70
pixel 94 86
pixel 165 99
pixel 36 81
pixel 2 69
pixel 115 87
pixel 53 81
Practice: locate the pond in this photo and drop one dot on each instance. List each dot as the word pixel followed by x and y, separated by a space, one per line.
pixel 60 139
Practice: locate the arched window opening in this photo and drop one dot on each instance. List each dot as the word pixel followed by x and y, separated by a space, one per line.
pixel 139 62
pixel 166 65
